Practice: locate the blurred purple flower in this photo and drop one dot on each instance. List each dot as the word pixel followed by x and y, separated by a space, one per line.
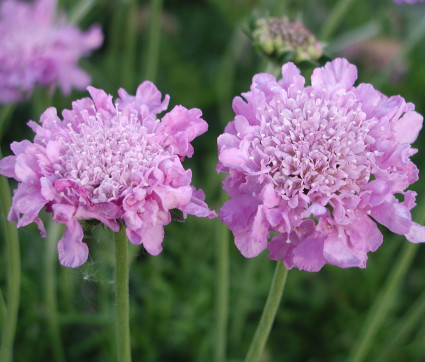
pixel 408 1
pixel 110 163
pixel 316 165
pixel 36 48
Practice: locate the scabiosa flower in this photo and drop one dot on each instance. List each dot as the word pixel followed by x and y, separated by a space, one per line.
pixel 317 166
pixel 35 48
pixel 110 163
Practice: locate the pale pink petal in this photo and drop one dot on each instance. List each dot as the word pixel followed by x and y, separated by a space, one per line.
pixel 7 166
pixel 237 212
pixel 152 238
pixel 308 255
pixel 338 73
pixel 291 75
pixel 172 198
pixel 72 251
pixel 407 128
pixel 337 251
pixel 416 233
pixel 27 203
pixel 197 206
pixel 364 234
pixel 393 215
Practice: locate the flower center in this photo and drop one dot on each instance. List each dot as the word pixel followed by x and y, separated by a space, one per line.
pixel 317 142
pixel 107 156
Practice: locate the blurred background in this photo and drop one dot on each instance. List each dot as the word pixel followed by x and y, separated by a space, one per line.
pixel 203 58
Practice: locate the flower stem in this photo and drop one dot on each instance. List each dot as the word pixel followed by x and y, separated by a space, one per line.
pixel 13 274
pixel 53 232
pixel 80 10
pixel 401 331
pixel 154 40
pixel 273 300
pixel 382 304
pixel 5 116
pixel 122 296
pixel 130 44
pixel 222 296
pixel 335 18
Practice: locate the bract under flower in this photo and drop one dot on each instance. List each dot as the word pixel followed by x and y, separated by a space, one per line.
pixel 110 163
pixel 316 165
pixel 38 49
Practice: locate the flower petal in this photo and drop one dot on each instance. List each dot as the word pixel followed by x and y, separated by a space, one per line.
pixel 72 251
pixel 416 233
pixel 393 215
pixel 337 73
pixel 407 128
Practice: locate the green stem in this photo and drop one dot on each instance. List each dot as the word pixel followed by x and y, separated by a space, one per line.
pixel 222 296
pixel 242 304
pixel 54 230
pixel 122 296
pixel 41 100
pixel 401 331
pixel 80 10
pixel 154 40
pixel 129 56
pixel 336 17
pixel 13 274
pixel 5 116
pixel 273 300
pixel 382 304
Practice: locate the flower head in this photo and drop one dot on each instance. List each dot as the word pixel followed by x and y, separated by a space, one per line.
pixel 318 165
pixel 110 163
pixel 35 48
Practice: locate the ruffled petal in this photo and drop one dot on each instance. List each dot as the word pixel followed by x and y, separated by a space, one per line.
pixel 26 205
pixel 337 251
pixel 291 75
pixel 337 73
pixel 152 238
pixel 238 212
pixel 393 215
pixel 72 251
pixel 308 255
pixel 407 128
pixel 101 99
pixel 197 206
pixel 416 233
pixel 7 166
pixel 172 198
pixel 364 234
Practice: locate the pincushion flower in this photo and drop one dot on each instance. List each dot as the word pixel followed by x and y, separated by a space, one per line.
pixel 318 166
pixel 38 49
pixel 107 162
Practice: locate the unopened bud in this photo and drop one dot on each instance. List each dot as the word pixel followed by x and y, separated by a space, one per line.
pixel 282 40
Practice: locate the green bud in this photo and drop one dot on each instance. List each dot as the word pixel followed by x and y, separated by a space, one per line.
pixel 282 40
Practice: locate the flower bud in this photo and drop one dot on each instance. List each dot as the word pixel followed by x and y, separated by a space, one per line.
pixel 282 40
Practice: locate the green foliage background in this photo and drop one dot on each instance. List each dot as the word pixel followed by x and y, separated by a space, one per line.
pixel 205 60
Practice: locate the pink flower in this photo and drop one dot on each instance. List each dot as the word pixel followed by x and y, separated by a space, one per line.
pixel 37 49
pixel 318 165
pixel 110 163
